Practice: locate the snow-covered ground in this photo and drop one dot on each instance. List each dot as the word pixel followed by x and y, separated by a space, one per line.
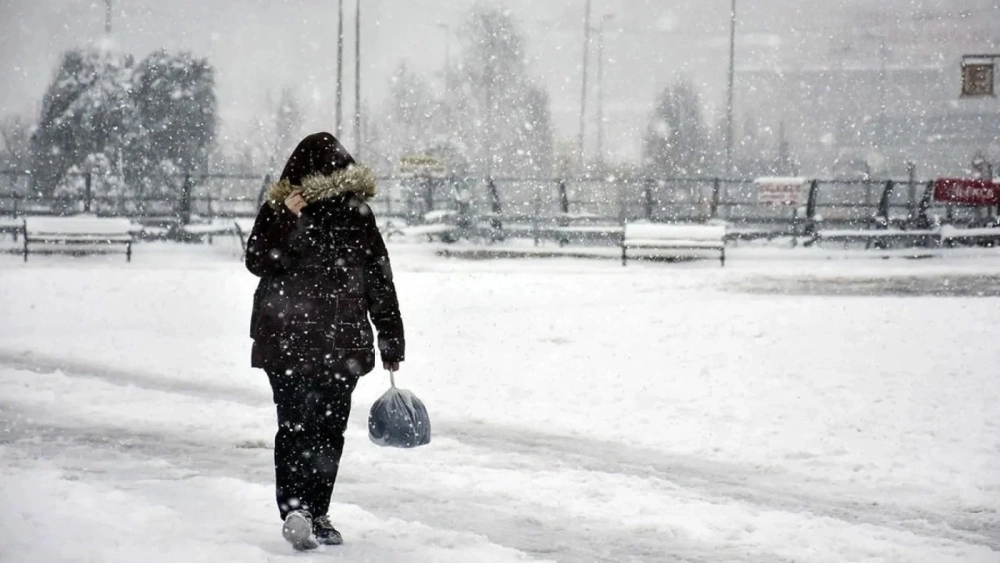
pixel 786 408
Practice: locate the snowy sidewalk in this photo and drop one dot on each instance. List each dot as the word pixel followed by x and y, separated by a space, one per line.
pixel 581 414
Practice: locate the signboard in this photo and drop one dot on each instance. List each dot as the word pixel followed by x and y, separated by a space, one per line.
pixel 966 191
pixel 780 191
pixel 424 166
pixel 977 79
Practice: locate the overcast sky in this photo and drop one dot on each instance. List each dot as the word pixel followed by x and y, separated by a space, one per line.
pixel 261 46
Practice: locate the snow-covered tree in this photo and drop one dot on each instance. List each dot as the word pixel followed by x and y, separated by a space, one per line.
pixel 15 134
pixel 676 140
pixel 84 112
pixel 505 120
pixel 103 114
pixel 174 119
pixel 414 121
pixel 288 124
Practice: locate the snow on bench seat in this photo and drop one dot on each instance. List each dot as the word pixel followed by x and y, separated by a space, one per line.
pixel 71 232
pixel 215 227
pixel 865 234
pixel 674 237
pixel 11 226
pixel 429 231
pixel 876 236
pixel 610 229
pixel 949 232
pixel 240 227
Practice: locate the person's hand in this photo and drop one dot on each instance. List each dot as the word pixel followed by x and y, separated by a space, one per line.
pixel 295 202
pixel 391 366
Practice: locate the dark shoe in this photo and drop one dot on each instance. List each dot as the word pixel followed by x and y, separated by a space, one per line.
pixel 297 530
pixel 325 533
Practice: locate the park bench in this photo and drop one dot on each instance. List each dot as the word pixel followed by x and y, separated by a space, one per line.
pixel 655 236
pixel 877 237
pixel 75 234
pixel 11 226
pixel 210 230
pixel 440 224
pixel 982 235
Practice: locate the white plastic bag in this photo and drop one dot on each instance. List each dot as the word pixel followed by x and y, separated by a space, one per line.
pixel 398 419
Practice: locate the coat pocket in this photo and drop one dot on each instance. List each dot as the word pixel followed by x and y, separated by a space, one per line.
pixel 352 330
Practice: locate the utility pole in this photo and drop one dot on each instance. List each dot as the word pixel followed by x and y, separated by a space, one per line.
pixel 729 95
pixel 357 79
pixel 447 54
pixel 883 72
pixel 583 90
pixel 107 17
pixel 340 69
pixel 489 109
pixel 600 88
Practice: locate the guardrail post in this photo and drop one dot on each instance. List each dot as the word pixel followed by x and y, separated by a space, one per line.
pixel 713 212
pixel 428 188
pixel 923 220
pixel 563 197
pixel 911 200
pixel 810 229
pixel 496 221
pixel 622 203
pixel 647 198
pixel 562 190
pixel 185 204
pixel 88 181
pixel 882 212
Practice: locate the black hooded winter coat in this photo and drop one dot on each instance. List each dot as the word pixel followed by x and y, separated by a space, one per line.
pixel 323 274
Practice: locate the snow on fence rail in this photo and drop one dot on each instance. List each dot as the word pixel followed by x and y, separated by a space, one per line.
pixel 561 209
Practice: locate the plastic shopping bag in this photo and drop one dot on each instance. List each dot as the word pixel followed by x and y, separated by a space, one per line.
pixel 398 419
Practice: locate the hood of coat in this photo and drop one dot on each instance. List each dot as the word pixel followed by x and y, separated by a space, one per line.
pixel 356 179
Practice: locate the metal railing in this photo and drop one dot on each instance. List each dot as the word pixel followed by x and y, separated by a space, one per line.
pixel 504 202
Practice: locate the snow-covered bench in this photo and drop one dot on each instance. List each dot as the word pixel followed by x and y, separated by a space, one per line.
pixel 240 227
pixel 444 232
pixel 655 236
pixel 436 223
pixel 213 229
pixel 875 236
pixel 569 228
pixel 988 235
pixel 11 226
pixel 73 234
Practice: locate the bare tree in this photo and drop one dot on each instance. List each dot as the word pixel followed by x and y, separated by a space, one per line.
pixel 15 132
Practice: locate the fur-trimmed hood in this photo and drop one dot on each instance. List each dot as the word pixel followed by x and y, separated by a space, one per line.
pixel 356 178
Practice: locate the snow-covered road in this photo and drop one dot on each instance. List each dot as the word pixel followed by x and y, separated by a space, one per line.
pixel 581 413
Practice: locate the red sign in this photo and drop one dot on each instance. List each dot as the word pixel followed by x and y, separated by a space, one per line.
pixel 966 191
pixel 780 191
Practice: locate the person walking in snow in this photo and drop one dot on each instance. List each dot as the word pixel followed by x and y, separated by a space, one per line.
pixel 324 270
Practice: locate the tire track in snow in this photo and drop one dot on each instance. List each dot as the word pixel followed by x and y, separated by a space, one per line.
pixel 712 480
pixel 88 452
pixel 42 363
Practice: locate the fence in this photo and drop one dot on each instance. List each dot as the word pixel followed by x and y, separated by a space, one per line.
pixel 511 202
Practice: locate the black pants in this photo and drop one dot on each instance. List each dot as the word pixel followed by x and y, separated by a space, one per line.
pixel 313 409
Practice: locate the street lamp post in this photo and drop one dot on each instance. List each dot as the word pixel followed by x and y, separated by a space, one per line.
pixel 107 17
pixel 600 88
pixel 583 90
pixel 357 79
pixel 447 54
pixel 729 94
pixel 340 68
